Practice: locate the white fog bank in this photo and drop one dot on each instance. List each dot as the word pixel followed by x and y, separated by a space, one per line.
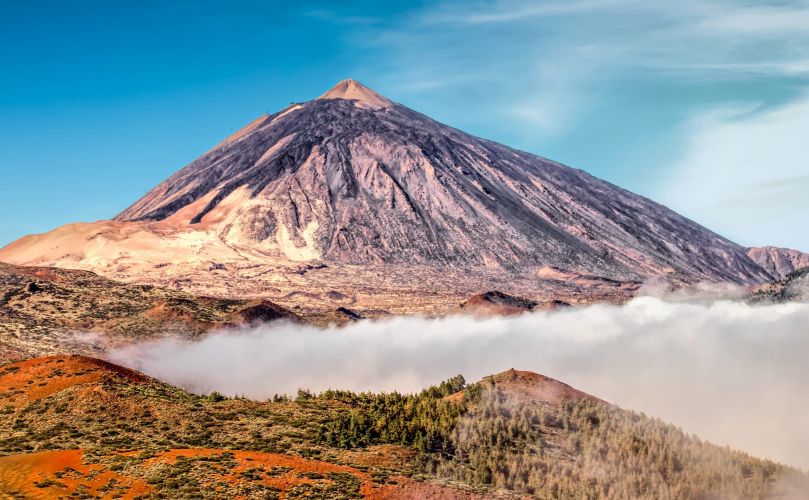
pixel 729 372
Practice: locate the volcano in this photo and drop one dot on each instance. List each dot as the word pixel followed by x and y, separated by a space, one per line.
pixel 354 179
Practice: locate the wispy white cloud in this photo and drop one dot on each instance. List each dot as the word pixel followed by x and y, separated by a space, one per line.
pixel 547 63
pixel 777 20
pixel 537 71
pixel 745 170
pixel 505 11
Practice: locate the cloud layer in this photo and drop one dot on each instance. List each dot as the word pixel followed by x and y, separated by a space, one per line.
pixel 730 372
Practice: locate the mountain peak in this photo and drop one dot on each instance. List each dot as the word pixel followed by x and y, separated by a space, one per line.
pixel 328 183
pixel 354 90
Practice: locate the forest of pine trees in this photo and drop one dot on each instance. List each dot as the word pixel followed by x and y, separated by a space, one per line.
pixel 576 449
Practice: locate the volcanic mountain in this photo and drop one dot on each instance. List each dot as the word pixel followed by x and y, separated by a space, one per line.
pixel 354 179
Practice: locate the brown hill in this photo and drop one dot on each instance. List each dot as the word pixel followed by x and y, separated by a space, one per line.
pixel 793 287
pixel 35 379
pixel 529 387
pixel 496 303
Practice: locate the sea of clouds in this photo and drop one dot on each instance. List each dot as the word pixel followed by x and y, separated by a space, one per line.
pixel 732 373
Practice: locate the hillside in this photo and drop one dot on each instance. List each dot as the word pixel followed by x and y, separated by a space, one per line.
pixel 42 310
pixel 496 303
pixel 793 287
pixel 779 262
pixel 76 425
pixel 369 195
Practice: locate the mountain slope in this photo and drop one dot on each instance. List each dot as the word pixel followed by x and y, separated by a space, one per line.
pixel 352 178
pixel 779 262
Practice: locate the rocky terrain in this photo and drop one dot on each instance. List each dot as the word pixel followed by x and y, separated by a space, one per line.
pixel 779 262
pixel 80 427
pixel 50 310
pixel 352 192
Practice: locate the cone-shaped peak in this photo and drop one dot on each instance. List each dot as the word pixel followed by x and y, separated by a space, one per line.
pixel 354 90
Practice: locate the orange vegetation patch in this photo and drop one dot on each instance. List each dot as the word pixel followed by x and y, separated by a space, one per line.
pixel 60 473
pixel 39 378
pixel 52 474
pixel 285 472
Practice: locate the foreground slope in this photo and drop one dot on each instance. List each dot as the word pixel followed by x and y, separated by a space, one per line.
pixel 354 179
pixel 76 425
pixel 88 427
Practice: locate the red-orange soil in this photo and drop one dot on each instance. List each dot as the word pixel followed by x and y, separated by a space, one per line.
pixel 39 378
pixel 52 474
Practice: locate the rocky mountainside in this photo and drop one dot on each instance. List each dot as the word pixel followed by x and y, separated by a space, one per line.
pixel 352 178
pixel 779 262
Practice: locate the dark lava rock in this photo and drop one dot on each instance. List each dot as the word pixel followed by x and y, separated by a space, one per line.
pixel 496 302
pixel 260 313
pixel 349 313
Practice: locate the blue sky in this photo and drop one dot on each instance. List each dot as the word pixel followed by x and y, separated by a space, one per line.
pixel 701 105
